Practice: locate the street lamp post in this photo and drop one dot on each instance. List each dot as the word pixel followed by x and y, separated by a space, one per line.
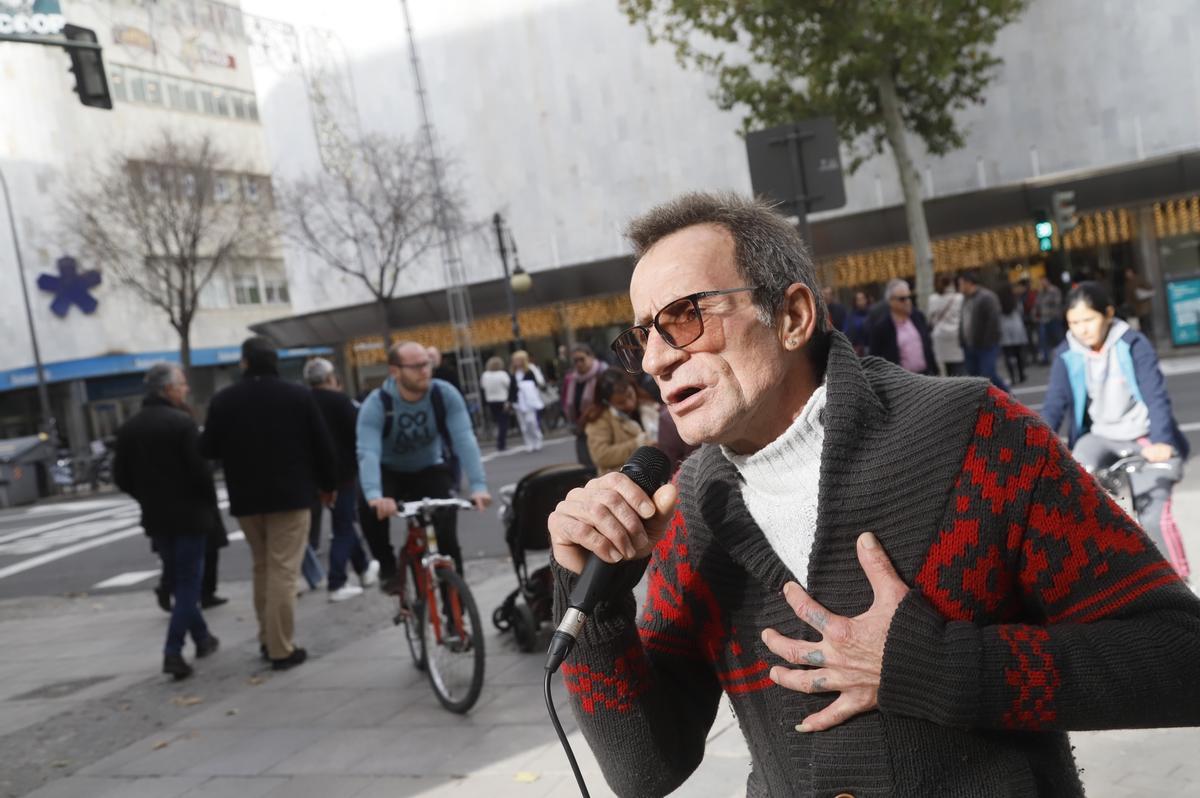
pixel 48 425
pixel 516 281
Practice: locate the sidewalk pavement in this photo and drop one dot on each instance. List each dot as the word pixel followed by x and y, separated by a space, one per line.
pixel 84 713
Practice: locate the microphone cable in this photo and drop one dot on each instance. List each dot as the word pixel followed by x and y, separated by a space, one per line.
pixel 562 738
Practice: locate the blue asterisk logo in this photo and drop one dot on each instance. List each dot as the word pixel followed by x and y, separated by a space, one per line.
pixel 70 287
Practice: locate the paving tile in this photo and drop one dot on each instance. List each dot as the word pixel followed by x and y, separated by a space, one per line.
pixel 321 787
pixel 232 787
pixel 71 787
pixel 409 787
pixel 335 752
pixel 184 750
pixel 259 752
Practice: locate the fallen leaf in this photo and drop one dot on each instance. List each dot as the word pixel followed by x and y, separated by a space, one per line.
pixel 526 777
pixel 254 680
pixel 161 744
pixel 61 763
pixel 187 700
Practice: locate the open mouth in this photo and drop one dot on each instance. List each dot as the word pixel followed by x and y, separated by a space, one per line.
pixel 680 395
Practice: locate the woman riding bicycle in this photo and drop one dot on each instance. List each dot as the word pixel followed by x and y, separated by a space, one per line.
pixel 1105 379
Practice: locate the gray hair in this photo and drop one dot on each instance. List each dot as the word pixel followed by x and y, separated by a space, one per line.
pixel 494 363
pixel 162 376
pixel 317 371
pixel 768 250
pixel 892 285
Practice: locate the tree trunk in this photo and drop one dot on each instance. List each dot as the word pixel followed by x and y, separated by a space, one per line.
pixel 910 185
pixel 383 325
pixel 185 348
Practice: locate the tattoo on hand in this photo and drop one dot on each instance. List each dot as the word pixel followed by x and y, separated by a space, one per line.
pixel 818 685
pixel 815 658
pixel 817 619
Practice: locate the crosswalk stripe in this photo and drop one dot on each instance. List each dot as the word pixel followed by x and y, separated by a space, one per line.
pixel 126 579
pixel 58 554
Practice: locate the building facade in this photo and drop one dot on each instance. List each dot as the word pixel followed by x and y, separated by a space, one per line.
pixel 181 67
pixel 562 115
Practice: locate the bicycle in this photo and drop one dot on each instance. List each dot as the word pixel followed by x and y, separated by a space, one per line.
pixel 1117 480
pixel 439 614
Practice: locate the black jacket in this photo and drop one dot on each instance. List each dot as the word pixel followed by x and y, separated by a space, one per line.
pixel 883 340
pixel 272 441
pixel 158 462
pixel 341 419
pixel 980 324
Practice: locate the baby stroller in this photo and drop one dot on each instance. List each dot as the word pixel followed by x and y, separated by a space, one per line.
pixel 523 511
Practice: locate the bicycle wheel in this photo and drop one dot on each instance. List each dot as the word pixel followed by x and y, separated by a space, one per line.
pixel 412 610
pixel 454 639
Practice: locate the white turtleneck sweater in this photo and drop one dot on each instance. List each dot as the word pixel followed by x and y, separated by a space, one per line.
pixel 780 485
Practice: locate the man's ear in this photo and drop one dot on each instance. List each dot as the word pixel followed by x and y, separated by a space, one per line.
pixel 798 319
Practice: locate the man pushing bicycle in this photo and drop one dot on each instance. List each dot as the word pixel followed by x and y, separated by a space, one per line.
pixel 414 434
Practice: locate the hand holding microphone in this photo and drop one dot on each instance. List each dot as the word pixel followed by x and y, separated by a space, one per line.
pixel 616 518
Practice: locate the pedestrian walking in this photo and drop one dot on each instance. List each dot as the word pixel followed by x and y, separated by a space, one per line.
pixel 1138 295
pixel 277 454
pixel 1013 338
pixel 837 311
pixel 526 398
pixel 497 387
pixel 409 432
pixel 345 549
pixel 856 322
pixel 902 335
pixel 440 370
pixel 980 329
pixel 158 463
pixel 945 314
pixel 578 393
pixel 1048 313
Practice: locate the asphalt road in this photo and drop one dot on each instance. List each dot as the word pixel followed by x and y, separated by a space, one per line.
pixel 94 544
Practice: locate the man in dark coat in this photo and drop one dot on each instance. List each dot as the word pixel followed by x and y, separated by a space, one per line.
pixel 341 417
pixel 277 455
pixel 902 335
pixel 980 328
pixel 158 463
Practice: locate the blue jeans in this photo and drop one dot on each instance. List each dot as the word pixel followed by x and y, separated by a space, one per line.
pixel 344 546
pixel 982 363
pixel 1049 335
pixel 183 556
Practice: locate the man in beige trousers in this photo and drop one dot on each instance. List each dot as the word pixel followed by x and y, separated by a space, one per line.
pixel 277 454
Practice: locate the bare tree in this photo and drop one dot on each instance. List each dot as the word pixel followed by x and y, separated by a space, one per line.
pixel 164 219
pixel 371 218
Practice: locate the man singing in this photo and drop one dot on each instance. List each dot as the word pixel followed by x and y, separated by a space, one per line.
pixel 905 585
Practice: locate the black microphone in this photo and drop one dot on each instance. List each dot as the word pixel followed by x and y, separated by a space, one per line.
pixel 649 469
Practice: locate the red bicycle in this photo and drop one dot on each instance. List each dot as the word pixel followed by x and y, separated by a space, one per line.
pixel 439 615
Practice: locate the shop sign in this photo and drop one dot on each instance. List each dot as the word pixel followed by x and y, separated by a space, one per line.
pixel 129 36
pixel 1183 307
pixel 31 17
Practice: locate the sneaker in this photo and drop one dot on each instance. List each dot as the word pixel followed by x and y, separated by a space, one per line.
pixel 346 591
pixel 207 646
pixel 176 666
pixel 297 657
pixel 370 577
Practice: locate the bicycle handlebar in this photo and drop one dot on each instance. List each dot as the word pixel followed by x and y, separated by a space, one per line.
pixel 414 509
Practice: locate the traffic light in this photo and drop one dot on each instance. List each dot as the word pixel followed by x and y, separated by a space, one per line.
pixel 1043 228
pixel 86 62
pixel 1064 211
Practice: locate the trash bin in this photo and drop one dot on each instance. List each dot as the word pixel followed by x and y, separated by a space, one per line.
pixel 19 462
